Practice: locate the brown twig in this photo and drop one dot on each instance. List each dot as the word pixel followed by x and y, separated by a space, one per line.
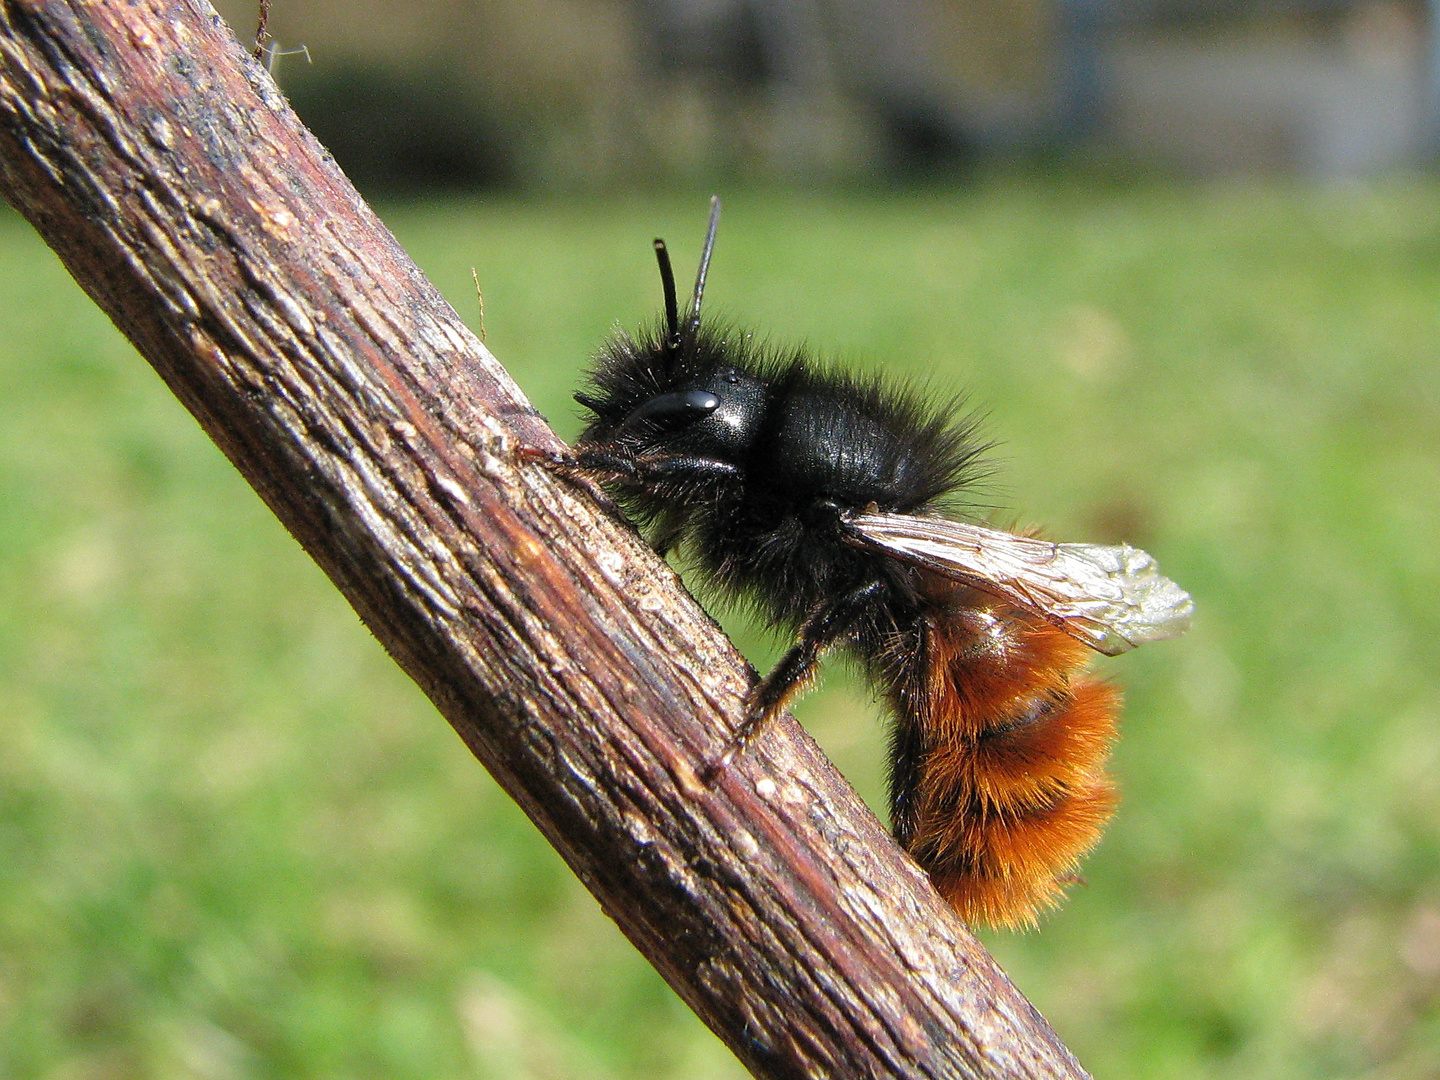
pixel 167 171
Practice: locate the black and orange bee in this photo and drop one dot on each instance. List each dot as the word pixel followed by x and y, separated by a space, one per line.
pixel 818 496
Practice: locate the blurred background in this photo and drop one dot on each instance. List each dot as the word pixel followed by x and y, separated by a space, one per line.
pixel 1184 255
pixel 598 93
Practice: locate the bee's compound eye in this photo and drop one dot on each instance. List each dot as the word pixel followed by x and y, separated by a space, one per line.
pixel 674 409
pixel 700 402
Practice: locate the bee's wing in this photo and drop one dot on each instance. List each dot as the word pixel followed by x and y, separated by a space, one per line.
pixel 1111 598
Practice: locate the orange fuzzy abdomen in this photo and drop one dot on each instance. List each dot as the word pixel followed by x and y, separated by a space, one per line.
pixel 1011 789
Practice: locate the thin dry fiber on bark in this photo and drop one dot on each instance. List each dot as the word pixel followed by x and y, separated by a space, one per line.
pixel 169 174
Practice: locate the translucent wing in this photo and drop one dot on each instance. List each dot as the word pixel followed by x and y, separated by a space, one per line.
pixel 1111 598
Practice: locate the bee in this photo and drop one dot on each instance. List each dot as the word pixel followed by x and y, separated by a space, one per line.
pixel 820 497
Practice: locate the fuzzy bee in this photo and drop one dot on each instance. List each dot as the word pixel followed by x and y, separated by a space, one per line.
pixel 818 496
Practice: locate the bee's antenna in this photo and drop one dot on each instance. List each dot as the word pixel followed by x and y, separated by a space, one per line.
pixel 667 279
pixel 705 261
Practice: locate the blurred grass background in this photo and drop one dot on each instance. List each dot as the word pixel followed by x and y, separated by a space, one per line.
pixel 235 842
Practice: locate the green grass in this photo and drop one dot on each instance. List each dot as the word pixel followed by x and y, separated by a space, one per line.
pixel 235 842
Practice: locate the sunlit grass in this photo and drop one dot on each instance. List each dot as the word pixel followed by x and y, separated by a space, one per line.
pixel 234 841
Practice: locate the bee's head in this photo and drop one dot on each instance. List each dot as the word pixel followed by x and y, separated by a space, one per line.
pixel 679 392
pixel 718 415
pixel 714 415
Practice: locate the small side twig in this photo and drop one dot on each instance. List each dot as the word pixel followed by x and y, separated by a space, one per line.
pixel 479 300
pixel 262 31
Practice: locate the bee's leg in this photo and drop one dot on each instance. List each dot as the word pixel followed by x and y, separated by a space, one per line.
pixel 679 467
pixel 618 465
pixel 907 761
pixel 568 466
pixel 827 624
pixel 670 527
pixel 569 461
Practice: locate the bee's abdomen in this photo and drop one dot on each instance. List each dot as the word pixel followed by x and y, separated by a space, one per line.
pixel 1009 782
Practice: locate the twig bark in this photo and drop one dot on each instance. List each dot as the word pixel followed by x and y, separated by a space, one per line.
pixel 164 167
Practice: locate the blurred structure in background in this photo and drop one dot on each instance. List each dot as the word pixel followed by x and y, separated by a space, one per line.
pixel 583 93
pixel 1330 88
